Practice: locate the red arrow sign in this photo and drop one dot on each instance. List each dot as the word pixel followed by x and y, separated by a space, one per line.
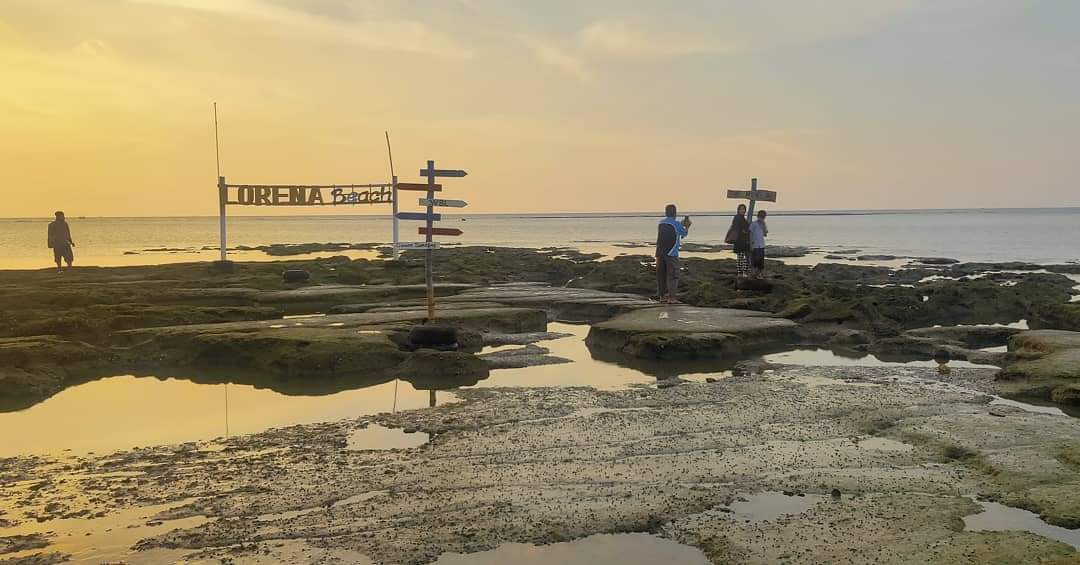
pixel 441 231
pixel 419 186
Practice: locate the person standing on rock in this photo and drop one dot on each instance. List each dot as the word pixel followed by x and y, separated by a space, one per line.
pixel 669 235
pixel 60 241
pixel 738 236
pixel 758 232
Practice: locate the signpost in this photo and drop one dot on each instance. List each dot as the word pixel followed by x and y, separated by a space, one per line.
pixel 753 195
pixel 418 216
pixel 430 217
pixel 440 231
pixel 443 203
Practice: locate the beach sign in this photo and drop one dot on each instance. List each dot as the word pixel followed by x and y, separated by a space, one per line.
pixel 418 245
pixel 442 202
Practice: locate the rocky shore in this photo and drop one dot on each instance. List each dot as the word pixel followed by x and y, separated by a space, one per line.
pixel 893 459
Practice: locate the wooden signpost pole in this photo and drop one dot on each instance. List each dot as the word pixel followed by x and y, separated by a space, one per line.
pixel 223 197
pixel 394 195
pixel 428 251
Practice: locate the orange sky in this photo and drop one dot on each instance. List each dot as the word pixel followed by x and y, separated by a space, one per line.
pixel 553 106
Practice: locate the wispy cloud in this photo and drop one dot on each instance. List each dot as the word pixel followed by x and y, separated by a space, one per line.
pixel 386 32
pixel 621 38
pixel 551 54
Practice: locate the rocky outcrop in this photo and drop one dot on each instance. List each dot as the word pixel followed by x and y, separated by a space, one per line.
pixel 1057 317
pixel 681 332
pixel 1043 363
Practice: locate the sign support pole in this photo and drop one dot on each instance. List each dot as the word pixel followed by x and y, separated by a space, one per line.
pixel 223 197
pixel 427 252
pixel 394 195
pixel 753 200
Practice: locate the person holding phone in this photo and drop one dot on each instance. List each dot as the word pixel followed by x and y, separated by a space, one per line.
pixel 669 234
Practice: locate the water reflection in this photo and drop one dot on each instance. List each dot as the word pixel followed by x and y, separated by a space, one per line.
pixel 827 358
pixel 127 411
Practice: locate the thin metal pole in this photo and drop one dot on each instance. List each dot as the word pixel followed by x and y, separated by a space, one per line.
pixel 223 191
pixel 217 145
pixel 394 194
pixel 427 253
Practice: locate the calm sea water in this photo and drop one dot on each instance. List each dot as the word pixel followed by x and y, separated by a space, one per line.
pixel 1035 235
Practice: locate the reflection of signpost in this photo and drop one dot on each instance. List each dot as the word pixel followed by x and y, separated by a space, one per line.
pixel 753 195
pixel 430 217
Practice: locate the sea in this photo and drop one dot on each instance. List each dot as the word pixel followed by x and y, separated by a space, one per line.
pixel 1042 236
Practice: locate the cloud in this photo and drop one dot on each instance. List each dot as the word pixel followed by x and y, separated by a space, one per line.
pixel 735 27
pixel 620 38
pixel 551 54
pixel 386 32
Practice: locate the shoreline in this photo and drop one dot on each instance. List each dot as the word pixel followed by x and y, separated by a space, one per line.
pixel 672 455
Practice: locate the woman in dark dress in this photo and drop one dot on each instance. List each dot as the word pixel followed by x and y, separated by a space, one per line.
pixel 739 237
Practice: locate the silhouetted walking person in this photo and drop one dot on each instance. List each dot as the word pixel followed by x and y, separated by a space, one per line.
pixel 669 235
pixel 60 241
pixel 738 236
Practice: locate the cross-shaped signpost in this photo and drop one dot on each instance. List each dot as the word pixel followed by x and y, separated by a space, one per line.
pixel 753 195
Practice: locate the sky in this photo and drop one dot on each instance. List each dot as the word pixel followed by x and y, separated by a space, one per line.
pixel 560 105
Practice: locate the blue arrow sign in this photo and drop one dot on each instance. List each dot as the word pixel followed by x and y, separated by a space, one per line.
pixel 443 173
pixel 422 216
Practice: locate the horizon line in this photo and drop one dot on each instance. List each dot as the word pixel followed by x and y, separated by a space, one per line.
pixel 566 214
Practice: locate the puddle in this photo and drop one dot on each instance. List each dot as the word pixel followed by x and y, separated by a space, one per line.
pixel 1000 518
pixel 828 358
pixel 771 505
pixel 380 437
pixel 584 371
pixel 587 370
pixel 125 412
pixel 105 539
pixel 603 549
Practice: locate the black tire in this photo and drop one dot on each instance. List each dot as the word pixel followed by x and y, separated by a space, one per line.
pixel 296 276
pixel 433 336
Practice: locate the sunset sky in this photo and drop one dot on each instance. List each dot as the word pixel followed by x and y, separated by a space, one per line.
pixel 553 105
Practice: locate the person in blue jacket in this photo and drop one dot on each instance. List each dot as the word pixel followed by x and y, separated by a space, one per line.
pixel 669 235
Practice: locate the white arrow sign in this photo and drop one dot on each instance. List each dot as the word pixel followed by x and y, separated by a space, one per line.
pixel 443 202
pixel 418 245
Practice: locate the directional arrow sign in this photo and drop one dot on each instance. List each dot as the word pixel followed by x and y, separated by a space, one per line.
pixel 423 186
pixel 442 202
pixel 440 231
pixel 418 245
pixel 422 216
pixel 443 173
pixel 765 195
